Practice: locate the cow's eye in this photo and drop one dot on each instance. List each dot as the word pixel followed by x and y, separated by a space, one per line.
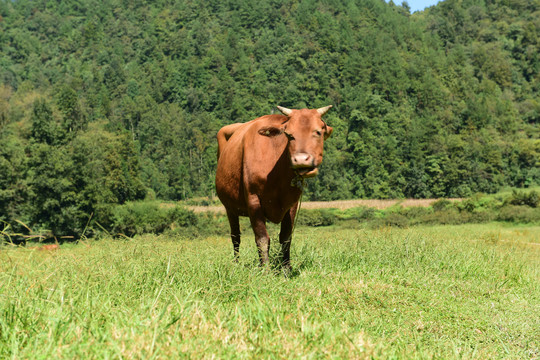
pixel 318 133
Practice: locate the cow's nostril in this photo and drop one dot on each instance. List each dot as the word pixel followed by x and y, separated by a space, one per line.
pixel 302 160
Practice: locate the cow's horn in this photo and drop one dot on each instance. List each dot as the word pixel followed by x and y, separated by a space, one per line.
pixel 285 111
pixel 323 110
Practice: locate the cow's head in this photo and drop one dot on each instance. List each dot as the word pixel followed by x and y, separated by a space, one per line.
pixel 306 132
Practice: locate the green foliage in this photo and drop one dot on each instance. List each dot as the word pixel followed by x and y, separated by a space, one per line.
pixel 394 219
pixel 136 218
pixel 519 207
pixel 316 217
pixel 448 216
pixel 212 224
pixel 477 209
pixel 531 198
pixel 359 213
pixel 441 204
pixel 14 188
pixel 44 128
pixel 440 103
pixel 59 186
pixel 518 214
pixel 55 196
pixel 68 104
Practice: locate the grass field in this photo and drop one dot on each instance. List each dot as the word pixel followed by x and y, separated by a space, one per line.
pixel 449 292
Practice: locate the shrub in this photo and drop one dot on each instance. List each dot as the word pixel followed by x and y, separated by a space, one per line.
pixel 415 212
pixel 202 201
pixel 441 204
pixel 135 218
pixel 210 223
pixel 359 213
pixel 519 214
pixel 449 216
pixel 316 217
pixel 182 217
pixel 481 216
pixel 466 205
pixel 391 219
pixel 531 199
pixel 477 202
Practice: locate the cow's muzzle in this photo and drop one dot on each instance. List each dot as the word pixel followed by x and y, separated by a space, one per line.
pixel 304 164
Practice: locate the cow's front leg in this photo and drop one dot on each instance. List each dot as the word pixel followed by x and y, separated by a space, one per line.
pixel 285 237
pixel 258 224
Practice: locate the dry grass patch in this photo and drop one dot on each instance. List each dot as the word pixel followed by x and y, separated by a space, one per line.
pixel 340 204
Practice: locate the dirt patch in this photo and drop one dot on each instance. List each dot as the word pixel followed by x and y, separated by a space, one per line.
pixel 342 204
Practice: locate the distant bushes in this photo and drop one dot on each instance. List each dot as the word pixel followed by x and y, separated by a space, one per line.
pixel 518 214
pixel 441 205
pixel 316 217
pixel 135 218
pixel 140 217
pixel 202 201
pixel 518 207
pixel 531 198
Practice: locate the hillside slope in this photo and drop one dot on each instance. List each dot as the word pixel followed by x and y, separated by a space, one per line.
pixel 106 101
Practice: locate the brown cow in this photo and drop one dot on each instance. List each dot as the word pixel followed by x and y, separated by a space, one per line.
pixel 261 166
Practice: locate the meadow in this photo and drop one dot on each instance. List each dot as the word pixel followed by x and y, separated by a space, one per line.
pixel 455 292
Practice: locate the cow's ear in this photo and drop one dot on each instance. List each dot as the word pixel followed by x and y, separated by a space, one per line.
pixel 270 131
pixel 328 132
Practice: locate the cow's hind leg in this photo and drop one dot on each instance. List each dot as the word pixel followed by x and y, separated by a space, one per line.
pixel 258 223
pixel 235 234
pixel 285 237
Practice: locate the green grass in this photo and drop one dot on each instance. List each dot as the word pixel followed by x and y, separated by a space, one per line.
pixel 468 291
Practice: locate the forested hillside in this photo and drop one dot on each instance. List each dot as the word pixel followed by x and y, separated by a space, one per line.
pixel 102 102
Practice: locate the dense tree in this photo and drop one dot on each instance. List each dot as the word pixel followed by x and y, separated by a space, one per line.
pixel 101 102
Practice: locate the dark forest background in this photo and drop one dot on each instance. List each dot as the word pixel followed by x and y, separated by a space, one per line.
pixel 102 102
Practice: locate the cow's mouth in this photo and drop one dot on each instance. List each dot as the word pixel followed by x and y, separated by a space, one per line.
pixel 307 172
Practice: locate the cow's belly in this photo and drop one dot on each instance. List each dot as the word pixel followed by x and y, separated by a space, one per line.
pixel 233 206
pixel 274 214
pixel 274 208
